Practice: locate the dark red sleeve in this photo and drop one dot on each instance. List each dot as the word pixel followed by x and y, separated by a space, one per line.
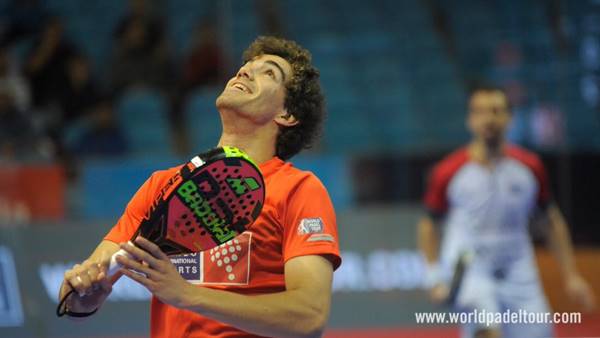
pixel 436 197
pixel 533 162
pixel 435 193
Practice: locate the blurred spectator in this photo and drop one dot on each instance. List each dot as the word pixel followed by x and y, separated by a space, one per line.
pixel 519 131
pixel 18 139
pixel 21 19
pixel 102 136
pixel 46 65
pixel 547 123
pixel 508 60
pixel 144 11
pixel 12 82
pixel 442 26
pixel 80 91
pixel 140 56
pixel 270 16
pixel 204 63
pixel 508 71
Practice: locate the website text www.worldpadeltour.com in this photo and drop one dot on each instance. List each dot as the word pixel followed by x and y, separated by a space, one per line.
pixel 489 318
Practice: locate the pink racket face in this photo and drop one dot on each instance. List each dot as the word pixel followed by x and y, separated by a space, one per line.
pixel 217 203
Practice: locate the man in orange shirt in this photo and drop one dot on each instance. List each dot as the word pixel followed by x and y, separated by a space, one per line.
pixel 272 280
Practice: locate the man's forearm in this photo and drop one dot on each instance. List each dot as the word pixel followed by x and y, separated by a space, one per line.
pixel 299 311
pixel 428 240
pixel 285 314
pixel 560 241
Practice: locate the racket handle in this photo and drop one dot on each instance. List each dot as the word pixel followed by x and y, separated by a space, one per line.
pixel 114 266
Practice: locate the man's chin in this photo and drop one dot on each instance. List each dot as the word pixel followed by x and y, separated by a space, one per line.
pixel 225 100
pixel 228 105
pixel 493 142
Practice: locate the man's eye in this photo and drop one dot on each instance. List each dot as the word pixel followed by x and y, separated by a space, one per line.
pixel 270 73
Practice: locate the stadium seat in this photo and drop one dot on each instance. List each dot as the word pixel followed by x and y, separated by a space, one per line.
pixel 202 119
pixel 142 113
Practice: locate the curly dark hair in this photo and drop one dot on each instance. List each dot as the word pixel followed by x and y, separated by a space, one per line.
pixel 304 99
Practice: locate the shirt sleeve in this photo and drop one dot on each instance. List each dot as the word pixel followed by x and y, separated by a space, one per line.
pixel 435 199
pixel 310 224
pixel 544 192
pixel 134 213
pixel 535 164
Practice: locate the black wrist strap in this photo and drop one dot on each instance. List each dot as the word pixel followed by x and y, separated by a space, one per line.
pixel 62 309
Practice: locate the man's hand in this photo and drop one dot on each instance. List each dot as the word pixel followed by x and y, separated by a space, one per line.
pixel 153 269
pixel 90 284
pixel 580 292
pixel 439 293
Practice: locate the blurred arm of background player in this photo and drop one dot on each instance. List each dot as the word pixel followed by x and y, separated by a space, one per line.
pixel 90 281
pixel 559 243
pixel 428 242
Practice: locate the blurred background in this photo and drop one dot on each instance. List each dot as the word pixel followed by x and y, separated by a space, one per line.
pixel 95 95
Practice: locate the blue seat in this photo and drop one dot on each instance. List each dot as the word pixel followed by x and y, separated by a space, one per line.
pixel 349 128
pixel 202 119
pixel 107 186
pixel 142 113
pixel 183 16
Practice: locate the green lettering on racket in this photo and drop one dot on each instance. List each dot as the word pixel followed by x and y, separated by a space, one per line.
pixel 235 152
pixel 188 191
pixel 240 187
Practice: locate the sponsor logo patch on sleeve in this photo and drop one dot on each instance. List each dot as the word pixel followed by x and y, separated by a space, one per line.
pixel 310 226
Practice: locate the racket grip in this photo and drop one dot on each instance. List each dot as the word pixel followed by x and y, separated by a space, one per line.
pixel 114 266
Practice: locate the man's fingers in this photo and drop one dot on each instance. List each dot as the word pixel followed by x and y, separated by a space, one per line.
pixel 133 265
pixel 85 278
pixel 93 272
pixel 104 261
pixel 81 283
pixel 138 254
pixel 72 272
pixel 136 277
pixel 150 247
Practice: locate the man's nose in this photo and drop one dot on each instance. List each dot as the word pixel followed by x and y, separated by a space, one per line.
pixel 246 72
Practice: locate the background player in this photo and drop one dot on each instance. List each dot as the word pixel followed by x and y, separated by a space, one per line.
pixel 273 280
pixel 484 195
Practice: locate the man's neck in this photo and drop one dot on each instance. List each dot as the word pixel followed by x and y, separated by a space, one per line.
pixel 484 153
pixel 258 148
pixel 257 142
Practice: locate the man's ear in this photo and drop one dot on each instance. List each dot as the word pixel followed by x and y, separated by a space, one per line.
pixel 286 119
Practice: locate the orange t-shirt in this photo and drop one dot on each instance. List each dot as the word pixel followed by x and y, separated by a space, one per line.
pixel 297 219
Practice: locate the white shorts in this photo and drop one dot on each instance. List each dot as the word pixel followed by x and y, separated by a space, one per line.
pixel 516 287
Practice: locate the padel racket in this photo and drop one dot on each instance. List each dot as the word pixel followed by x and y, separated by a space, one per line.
pixel 209 201
pixel 460 268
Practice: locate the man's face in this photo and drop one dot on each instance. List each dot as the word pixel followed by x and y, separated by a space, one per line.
pixel 257 91
pixel 489 116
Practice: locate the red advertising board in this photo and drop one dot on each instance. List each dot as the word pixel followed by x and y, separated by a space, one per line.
pixel 31 192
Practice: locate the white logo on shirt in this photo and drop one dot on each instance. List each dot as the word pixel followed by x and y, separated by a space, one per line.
pixel 310 226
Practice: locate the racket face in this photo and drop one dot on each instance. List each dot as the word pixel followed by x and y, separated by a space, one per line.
pixel 214 204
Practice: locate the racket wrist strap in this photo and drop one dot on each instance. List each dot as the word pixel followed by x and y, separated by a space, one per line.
pixel 79 314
